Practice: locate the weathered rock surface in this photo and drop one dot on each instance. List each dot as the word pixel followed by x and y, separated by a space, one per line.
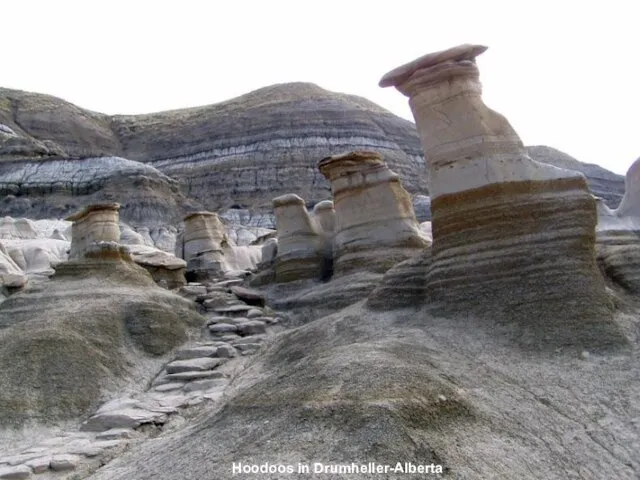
pixel 375 225
pixel 166 269
pixel 58 187
pixel 618 235
pixel 404 285
pixel 300 242
pixel 95 326
pixel 492 256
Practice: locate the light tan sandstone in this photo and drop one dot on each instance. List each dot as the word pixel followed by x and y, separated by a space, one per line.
pixel 513 239
pixel 207 249
pixel 375 225
pixel 93 224
pixel 300 241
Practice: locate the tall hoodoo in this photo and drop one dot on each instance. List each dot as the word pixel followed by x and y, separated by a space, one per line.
pixel 375 225
pixel 91 225
pixel 513 239
pixel 300 241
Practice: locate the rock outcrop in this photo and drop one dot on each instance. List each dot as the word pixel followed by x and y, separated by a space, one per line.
pixel 207 249
pixel 54 188
pixel 375 225
pixel 166 269
pixel 93 224
pixel 300 241
pixel 96 326
pixel 618 235
pixel 513 239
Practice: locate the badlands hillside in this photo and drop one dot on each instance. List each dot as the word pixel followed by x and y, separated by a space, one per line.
pixel 296 283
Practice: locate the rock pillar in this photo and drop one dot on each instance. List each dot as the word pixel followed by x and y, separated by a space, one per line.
pixel 375 225
pixel 513 239
pixel 93 224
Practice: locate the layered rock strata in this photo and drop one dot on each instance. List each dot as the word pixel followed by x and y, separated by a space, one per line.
pixel 300 241
pixel 93 224
pixel 51 188
pixel 513 239
pixel 375 225
pixel 618 235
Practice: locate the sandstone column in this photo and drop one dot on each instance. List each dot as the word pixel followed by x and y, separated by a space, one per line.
pixel 91 225
pixel 513 239
pixel 300 241
pixel 202 243
pixel 375 226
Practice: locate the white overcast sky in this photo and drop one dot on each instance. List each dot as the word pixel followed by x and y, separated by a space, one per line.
pixel 565 72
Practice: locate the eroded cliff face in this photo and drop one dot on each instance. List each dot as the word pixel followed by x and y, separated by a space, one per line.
pixel 240 153
pixel 244 151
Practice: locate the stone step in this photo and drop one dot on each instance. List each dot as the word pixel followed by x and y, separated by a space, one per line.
pixel 17 472
pixel 252 327
pixel 233 309
pixel 218 319
pixel 192 365
pixel 64 463
pixel 196 352
pixel 189 376
pixel 221 328
pixel 115 434
pixel 125 418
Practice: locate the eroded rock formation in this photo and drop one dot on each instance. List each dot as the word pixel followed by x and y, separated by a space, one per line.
pixel 207 249
pixel 618 235
pixel 513 239
pixel 375 225
pixel 300 241
pixel 94 327
pixel 93 224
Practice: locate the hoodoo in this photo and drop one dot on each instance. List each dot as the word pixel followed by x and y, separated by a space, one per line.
pixel 513 239
pixel 93 224
pixel 300 241
pixel 375 225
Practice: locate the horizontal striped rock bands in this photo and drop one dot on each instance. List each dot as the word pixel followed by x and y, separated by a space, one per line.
pixel 301 241
pixel 55 188
pixel 375 225
pixel 513 239
pixel 618 235
pixel 245 150
pixel 93 224
pixel 404 285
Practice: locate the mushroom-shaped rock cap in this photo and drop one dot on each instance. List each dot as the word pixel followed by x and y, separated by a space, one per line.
pixel 323 205
pixel 358 157
pixel 402 73
pixel 198 214
pixel 288 199
pixel 92 208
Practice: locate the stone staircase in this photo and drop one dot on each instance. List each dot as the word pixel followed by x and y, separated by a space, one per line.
pixel 198 373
